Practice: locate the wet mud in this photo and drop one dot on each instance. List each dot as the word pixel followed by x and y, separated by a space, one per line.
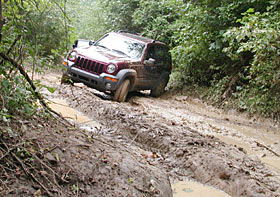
pixel 183 139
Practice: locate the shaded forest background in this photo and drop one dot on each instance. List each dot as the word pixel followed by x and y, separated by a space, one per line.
pixel 227 52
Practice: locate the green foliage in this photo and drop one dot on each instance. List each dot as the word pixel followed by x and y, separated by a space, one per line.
pixel 190 39
pixel 230 47
pixel 16 99
pixel 231 50
pixel 87 19
pixel 39 23
pixel 258 35
pixel 32 32
pixel 155 19
pixel 119 14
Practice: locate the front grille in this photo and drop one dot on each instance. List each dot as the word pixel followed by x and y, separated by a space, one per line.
pixel 89 65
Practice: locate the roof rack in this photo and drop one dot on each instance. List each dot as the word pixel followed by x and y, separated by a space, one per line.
pixel 125 31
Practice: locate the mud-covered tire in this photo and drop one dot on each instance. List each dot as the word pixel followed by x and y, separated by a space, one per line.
pixel 159 88
pixel 122 91
pixel 66 79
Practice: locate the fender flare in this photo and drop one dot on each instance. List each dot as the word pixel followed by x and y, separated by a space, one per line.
pixel 126 74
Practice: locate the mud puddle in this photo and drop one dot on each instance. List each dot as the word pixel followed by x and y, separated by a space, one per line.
pixel 194 189
pixel 271 161
pixel 61 106
pixel 261 142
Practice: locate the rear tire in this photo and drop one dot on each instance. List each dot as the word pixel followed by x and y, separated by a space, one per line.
pixel 159 89
pixel 122 91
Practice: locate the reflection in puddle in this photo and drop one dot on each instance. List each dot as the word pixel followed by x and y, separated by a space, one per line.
pixel 194 189
pixel 61 107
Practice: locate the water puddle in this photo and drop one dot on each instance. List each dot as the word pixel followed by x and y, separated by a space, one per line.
pixel 194 189
pixel 62 107
pixel 272 161
pixel 237 142
pixel 267 135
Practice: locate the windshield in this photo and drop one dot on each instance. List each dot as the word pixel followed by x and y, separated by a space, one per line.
pixel 121 45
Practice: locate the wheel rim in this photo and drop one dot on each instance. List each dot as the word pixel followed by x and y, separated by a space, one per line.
pixel 122 91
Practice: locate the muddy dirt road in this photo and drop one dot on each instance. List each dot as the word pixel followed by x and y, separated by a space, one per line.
pixel 183 137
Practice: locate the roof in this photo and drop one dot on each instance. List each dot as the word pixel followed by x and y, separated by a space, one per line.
pixel 138 37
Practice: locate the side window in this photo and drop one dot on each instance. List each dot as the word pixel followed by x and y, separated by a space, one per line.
pixel 163 55
pixel 150 53
pixel 160 55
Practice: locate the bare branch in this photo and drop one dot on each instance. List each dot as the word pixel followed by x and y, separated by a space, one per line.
pixel 27 172
pixel 36 94
pixel 20 68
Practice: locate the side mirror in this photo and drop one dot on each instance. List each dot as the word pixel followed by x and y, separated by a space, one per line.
pixel 82 43
pixel 150 62
pixel 75 44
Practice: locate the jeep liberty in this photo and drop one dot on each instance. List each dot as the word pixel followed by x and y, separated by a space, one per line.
pixel 120 62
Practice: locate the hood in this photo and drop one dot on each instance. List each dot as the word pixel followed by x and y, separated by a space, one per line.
pixel 102 55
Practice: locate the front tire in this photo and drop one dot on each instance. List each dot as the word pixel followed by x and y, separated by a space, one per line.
pixel 122 91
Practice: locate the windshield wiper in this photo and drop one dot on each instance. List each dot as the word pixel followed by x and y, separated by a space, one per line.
pixel 102 46
pixel 120 52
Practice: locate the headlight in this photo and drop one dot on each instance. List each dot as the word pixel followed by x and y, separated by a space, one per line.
pixel 111 68
pixel 72 56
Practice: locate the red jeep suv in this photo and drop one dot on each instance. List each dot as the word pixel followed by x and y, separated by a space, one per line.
pixel 120 62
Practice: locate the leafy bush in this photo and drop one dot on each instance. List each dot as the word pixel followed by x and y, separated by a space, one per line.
pixel 16 99
pixel 197 51
pixel 32 31
pixel 259 35
pixel 155 19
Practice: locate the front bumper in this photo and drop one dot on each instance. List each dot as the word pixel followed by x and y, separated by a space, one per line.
pixel 102 82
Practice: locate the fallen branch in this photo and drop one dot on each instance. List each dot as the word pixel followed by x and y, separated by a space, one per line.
pixel 20 68
pixel 267 148
pixel 133 139
pixel 99 140
pixel 28 168
pixel 12 46
pixel 23 73
pixel 8 151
